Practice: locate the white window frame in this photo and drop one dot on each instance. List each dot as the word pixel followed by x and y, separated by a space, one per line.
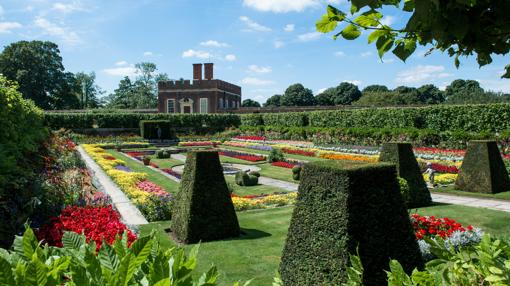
pixel 173 105
pixel 220 103
pixel 206 100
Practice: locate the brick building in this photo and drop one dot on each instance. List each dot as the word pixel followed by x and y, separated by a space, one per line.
pixel 207 95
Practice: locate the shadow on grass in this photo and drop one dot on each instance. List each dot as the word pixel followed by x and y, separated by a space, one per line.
pixel 246 234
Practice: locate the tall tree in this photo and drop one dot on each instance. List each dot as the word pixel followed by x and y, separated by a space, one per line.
pixel 325 98
pixel 37 67
pixel 273 101
pixel 466 91
pixel 460 28
pixel 407 95
pixel 297 95
pixel 250 103
pixel 343 94
pixel 430 94
pixel 375 88
pixel 89 92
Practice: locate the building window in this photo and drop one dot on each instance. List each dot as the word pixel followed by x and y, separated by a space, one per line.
pixel 220 103
pixel 170 105
pixel 226 103
pixel 203 105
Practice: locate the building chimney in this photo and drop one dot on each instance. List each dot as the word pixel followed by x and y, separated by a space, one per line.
pixel 197 71
pixel 208 71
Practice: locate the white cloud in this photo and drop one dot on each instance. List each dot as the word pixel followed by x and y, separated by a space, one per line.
pixel 387 20
pixel 339 54
pixel 196 54
pixel 281 6
pixel 123 70
pixel 321 90
pixel 289 27
pixel 366 54
pixel 256 81
pixel 259 69
pixel 421 73
pixel 355 81
pixel 6 27
pixel 68 7
pixel 496 85
pixel 55 30
pixel 148 54
pixel 278 44
pixel 309 37
pixel 253 26
pixel 230 58
pixel 213 43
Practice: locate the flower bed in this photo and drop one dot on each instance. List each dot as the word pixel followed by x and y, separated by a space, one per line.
pixel 287 165
pixel 348 157
pixel 97 224
pixel 445 169
pixel 254 138
pixel 153 206
pixel 261 202
pixel 198 143
pixel 442 179
pixel 298 152
pixel 249 145
pixel 243 156
pixel 171 172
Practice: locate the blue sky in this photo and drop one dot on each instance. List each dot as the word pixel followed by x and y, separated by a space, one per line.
pixel 261 45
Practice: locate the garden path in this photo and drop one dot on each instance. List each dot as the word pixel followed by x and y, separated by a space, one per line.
pixel 499 205
pixel 129 212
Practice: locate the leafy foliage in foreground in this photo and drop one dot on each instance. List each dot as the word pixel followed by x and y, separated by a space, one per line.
pixel 487 263
pixel 77 263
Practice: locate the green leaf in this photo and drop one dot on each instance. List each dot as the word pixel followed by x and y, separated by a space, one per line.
pixel 384 44
pixel 369 19
pixel 6 278
pixel 30 243
pixel 351 32
pixel 404 49
pixel 209 278
pixel 507 72
pixel 108 258
pixel 376 34
pixel 73 240
pixel 335 14
pixel 325 25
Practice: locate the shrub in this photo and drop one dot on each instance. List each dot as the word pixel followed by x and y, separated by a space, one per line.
pixel 483 170
pixel 296 173
pixel 402 155
pixel 149 129
pixel 243 178
pixel 340 208
pixel 404 188
pixel 254 173
pixel 276 155
pixel 162 154
pixel 203 210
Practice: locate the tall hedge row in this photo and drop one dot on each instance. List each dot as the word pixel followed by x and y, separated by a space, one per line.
pixel 132 120
pixel 474 118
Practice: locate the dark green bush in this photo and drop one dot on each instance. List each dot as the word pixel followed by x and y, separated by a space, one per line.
pixel 296 172
pixel 275 155
pixel 341 208
pixel 242 178
pixel 203 209
pixel 483 170
pixel 402 155
pixel 149 129
pixel 163 154
pixel 254 173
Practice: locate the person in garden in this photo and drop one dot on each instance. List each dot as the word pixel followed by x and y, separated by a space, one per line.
pixel 431 173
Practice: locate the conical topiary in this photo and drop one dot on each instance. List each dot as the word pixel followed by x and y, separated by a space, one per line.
pixel 341 208
pixel 483 170
pixel 203 209
pixel 402 155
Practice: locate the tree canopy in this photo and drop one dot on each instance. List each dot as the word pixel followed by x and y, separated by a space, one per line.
pixel 459 28
pixel 250 103
pixel 273 101
pixel 297 95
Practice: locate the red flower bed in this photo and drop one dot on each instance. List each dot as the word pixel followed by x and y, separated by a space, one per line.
pixel 154 165
pixel 284 165
pixel 298 152
pixel 242 156
pixel 135 154
pixel 98 224
pixel 247 197
pixel 445 169
pixel 190 144
pixel 431 226
pixel 108 157
pixel 257 138
pixel 437 150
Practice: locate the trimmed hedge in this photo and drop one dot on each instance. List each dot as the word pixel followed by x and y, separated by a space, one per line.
pixel 375 136
pixel 402 155
pixel 203 209
pixel 207 122
pixel 483 170
pixel 296 172
pixel 243 178
pixel 149 129
pixel 338 211
pixel 473 118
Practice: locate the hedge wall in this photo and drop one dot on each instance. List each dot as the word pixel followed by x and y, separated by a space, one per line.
pixel 474 118
pixel 212 122
pixel 339 211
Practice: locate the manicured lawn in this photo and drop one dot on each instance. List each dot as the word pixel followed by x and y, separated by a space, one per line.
pixel 166 163
pixel 451 190
pixel 278 173
pixel 226 159
pixel 153 176
pixel 252 190
pixel 257 254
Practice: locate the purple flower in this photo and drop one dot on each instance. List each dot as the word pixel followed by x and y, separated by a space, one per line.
pixel 123 168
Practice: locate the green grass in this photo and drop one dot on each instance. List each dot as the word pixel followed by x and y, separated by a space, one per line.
pixel 153 176
pixel 279 173
pixel 451 190
pixel 226 159
pixel 257 254
pixel 252 190
pixel 256 152
pixel 166 163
